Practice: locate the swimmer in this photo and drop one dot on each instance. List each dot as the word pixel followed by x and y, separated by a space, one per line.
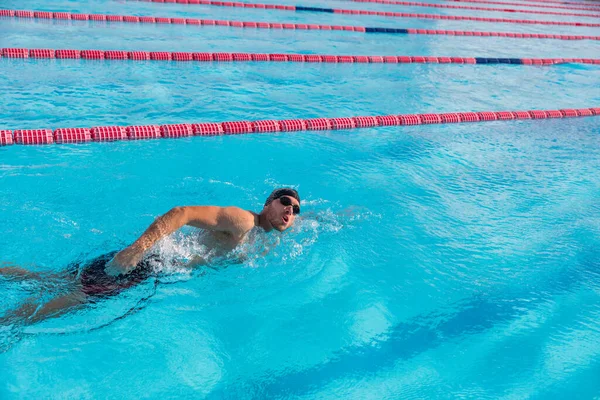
pixel 226 228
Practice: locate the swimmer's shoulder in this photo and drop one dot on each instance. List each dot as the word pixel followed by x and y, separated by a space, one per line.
pixel 241 220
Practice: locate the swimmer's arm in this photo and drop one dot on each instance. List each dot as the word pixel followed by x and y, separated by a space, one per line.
pixel 226 219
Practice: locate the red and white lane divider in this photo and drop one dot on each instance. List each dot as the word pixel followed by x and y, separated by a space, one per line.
pixel 386 14
pixel 275 25
pixel 590 3
pixel 112 133
pixel 487 9
pixel 275 57
pixel 583 7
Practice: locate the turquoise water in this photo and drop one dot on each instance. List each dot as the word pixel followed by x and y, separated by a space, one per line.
pixel 429 261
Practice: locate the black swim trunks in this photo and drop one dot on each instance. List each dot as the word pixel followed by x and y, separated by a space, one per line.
pixel 96 282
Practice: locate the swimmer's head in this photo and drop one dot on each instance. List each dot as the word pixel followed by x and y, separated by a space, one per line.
pixel 281 208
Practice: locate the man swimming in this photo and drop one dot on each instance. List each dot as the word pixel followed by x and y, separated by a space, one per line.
pixel 226 228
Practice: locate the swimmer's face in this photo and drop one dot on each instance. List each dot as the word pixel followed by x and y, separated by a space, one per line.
pixel 282 212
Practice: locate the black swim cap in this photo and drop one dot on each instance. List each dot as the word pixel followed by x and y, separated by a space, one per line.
pixel 277 193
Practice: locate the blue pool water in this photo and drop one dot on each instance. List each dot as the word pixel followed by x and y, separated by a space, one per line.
pixel 429 261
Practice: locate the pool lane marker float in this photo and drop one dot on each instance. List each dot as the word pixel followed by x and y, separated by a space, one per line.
pixel 580 7
pixel 589 4
pixel 386 13
pixel 487 9
pixel 502 3
pixel 263 57
pixel 101 18
pixel 113 133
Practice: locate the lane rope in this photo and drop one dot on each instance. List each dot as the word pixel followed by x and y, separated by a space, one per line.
pixel 561 2
pixel 140 55
pixel 112 133
pixel 383 13
pixel 488 9
pixel 583 7
pixel 101 18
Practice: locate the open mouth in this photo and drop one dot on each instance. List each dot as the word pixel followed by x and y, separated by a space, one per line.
pixel 285 219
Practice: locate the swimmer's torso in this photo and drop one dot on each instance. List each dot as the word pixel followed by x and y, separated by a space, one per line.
pixel 225 246
pixel 221 242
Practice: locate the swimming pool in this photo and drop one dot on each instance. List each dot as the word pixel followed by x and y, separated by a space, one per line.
pixel 450 260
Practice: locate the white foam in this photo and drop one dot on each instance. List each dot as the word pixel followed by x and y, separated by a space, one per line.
pixel 182 248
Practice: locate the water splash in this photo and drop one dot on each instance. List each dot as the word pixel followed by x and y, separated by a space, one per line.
pixel 180 251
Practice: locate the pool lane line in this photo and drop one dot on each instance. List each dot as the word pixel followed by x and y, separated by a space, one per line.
pixel 112 133
pixel 388 14
pixel 539 5
pixel 589 3
pixel 488 9
pixel 583 7
pixel 62 16
pixel 138 55
pixel 590 8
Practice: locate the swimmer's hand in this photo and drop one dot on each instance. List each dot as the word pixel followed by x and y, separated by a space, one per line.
pixel 125 261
